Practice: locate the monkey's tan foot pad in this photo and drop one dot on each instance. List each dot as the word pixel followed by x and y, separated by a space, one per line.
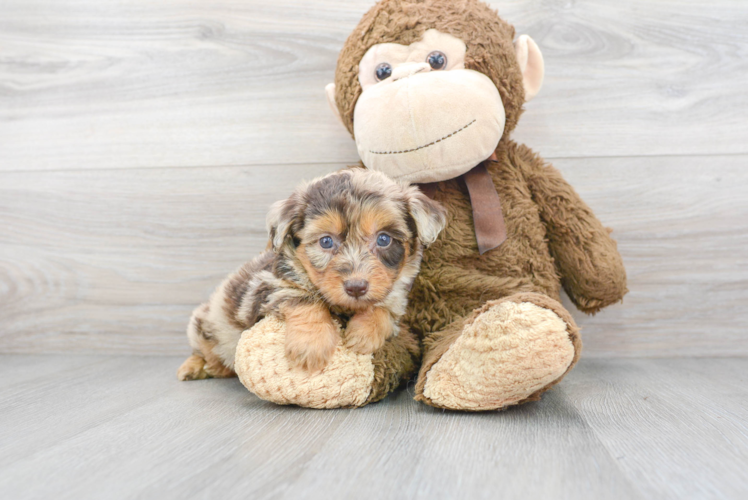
pixel 262 367
pixel 508 353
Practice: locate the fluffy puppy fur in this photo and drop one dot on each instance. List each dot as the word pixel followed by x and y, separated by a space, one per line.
pixel 345 248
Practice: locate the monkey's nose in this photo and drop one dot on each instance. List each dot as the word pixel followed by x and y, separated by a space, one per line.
pixel 356 288
pixel 408 69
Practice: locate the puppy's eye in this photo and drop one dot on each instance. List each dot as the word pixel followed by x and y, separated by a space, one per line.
pixel 383 71
pixel 384 240
pixel 437 60
pixel 325 242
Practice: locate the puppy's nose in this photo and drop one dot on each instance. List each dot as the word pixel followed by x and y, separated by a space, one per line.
pixel 356 288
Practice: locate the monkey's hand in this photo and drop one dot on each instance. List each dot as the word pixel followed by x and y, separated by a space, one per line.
pixel 586 257
pixel 368 330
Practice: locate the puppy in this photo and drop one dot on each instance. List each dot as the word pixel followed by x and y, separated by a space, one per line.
pixel 344 247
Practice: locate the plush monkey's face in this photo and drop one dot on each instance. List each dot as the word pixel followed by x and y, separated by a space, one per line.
pixel 422 111
pixel 432 109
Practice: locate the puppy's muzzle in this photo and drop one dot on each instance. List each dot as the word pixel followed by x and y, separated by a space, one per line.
pixel 356 287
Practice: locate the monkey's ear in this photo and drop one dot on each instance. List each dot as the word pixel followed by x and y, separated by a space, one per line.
pixel 330 91
pixel 430 217
pixel 531 64
pixel 280 220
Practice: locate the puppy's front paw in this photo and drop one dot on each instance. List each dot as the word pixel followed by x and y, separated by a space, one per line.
pixel 368 330
pixel 311 347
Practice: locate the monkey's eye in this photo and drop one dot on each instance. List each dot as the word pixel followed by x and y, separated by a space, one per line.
pixel 437 60
pixel 325 242
pixel 384 240
pixel 383 71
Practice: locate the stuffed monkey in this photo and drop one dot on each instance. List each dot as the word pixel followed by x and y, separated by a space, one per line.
pixel 431 91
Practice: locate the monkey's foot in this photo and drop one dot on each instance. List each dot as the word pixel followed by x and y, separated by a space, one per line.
pixel 508 352
pixel 348 380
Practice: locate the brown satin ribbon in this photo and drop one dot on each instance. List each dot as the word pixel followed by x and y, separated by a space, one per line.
pixel 488 218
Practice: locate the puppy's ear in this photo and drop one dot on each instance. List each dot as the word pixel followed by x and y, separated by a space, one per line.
pixel 430 216
pixel 281 219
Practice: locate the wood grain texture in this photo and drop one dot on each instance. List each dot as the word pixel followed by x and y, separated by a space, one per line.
pixel 683 421
pixel 114 261
pixel 682 226
pixel 123 427
pixel 92 84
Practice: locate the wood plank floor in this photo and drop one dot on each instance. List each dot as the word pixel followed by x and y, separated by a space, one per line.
pixel 123 427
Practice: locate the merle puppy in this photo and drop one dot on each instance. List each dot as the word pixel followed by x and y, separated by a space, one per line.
pixel 345 246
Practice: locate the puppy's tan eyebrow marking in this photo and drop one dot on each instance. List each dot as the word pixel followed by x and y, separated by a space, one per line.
pixel 330 222
pixel 421 147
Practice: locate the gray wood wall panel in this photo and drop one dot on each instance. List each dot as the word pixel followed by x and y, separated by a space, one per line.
pixel 141 144
pixel 95 84
pixel 114 260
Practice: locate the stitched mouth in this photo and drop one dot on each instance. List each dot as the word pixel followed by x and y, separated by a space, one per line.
pixel 425 145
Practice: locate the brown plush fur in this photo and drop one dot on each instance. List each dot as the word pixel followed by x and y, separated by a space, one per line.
pixel 394 363
pixel 554 239
pixel 488 39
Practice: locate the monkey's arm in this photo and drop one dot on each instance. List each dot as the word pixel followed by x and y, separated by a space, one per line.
pixel 587 258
